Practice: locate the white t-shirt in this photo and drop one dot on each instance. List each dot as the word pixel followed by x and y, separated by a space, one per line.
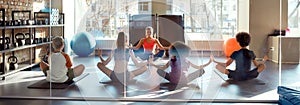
pixel 59 64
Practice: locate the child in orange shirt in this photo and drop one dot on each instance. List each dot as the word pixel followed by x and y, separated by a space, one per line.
pixel 59 69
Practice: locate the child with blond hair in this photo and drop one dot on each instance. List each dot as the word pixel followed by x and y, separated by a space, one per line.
pixel 59 69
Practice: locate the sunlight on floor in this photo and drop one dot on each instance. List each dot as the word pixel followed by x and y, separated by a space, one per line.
pixel 23 76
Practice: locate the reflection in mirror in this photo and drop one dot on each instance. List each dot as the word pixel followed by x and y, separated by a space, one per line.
pixel 189 55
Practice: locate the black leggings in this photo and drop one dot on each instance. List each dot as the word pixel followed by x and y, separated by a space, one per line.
pixel 192 76
pixel 145 56
pixel 243 76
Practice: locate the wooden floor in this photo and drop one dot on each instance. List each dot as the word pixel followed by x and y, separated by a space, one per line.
pixel 149 85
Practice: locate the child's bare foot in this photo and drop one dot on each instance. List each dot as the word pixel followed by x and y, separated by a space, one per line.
pixel 265 58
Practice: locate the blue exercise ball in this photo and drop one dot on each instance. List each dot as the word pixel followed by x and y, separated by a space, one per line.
pixel 83 44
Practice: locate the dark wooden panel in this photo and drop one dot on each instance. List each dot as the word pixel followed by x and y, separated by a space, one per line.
pixel 171 28
pixel 137 25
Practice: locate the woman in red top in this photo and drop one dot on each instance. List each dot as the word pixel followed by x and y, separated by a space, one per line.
pixel 149 44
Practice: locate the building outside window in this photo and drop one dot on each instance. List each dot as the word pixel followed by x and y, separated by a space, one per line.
pixel 217 18
pixel 294 17
pixel 144 7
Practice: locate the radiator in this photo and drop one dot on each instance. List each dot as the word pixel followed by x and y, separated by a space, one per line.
pixel 206 45
pixel 196 45
pixel 106 44
pixel 204 42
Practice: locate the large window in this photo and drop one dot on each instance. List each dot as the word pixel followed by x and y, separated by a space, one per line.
pixel 216 18
pixel 294 17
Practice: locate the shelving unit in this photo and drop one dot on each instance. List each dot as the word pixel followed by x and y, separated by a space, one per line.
pixel 32 46
pixel 2 66
pixel 289 49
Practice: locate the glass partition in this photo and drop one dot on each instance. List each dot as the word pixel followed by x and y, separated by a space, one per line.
pixel 105 49
pixel 289 60
pixel 208 26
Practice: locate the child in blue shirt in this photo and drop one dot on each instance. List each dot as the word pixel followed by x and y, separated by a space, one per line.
pixel 243 59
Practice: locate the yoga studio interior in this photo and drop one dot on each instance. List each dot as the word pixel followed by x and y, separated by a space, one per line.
pixel 149 52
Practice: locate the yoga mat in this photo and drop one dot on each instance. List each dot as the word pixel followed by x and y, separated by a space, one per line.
pixel 44 84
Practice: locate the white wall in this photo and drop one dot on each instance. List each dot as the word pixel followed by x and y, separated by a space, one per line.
pixel 243 15
pixel 264 18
